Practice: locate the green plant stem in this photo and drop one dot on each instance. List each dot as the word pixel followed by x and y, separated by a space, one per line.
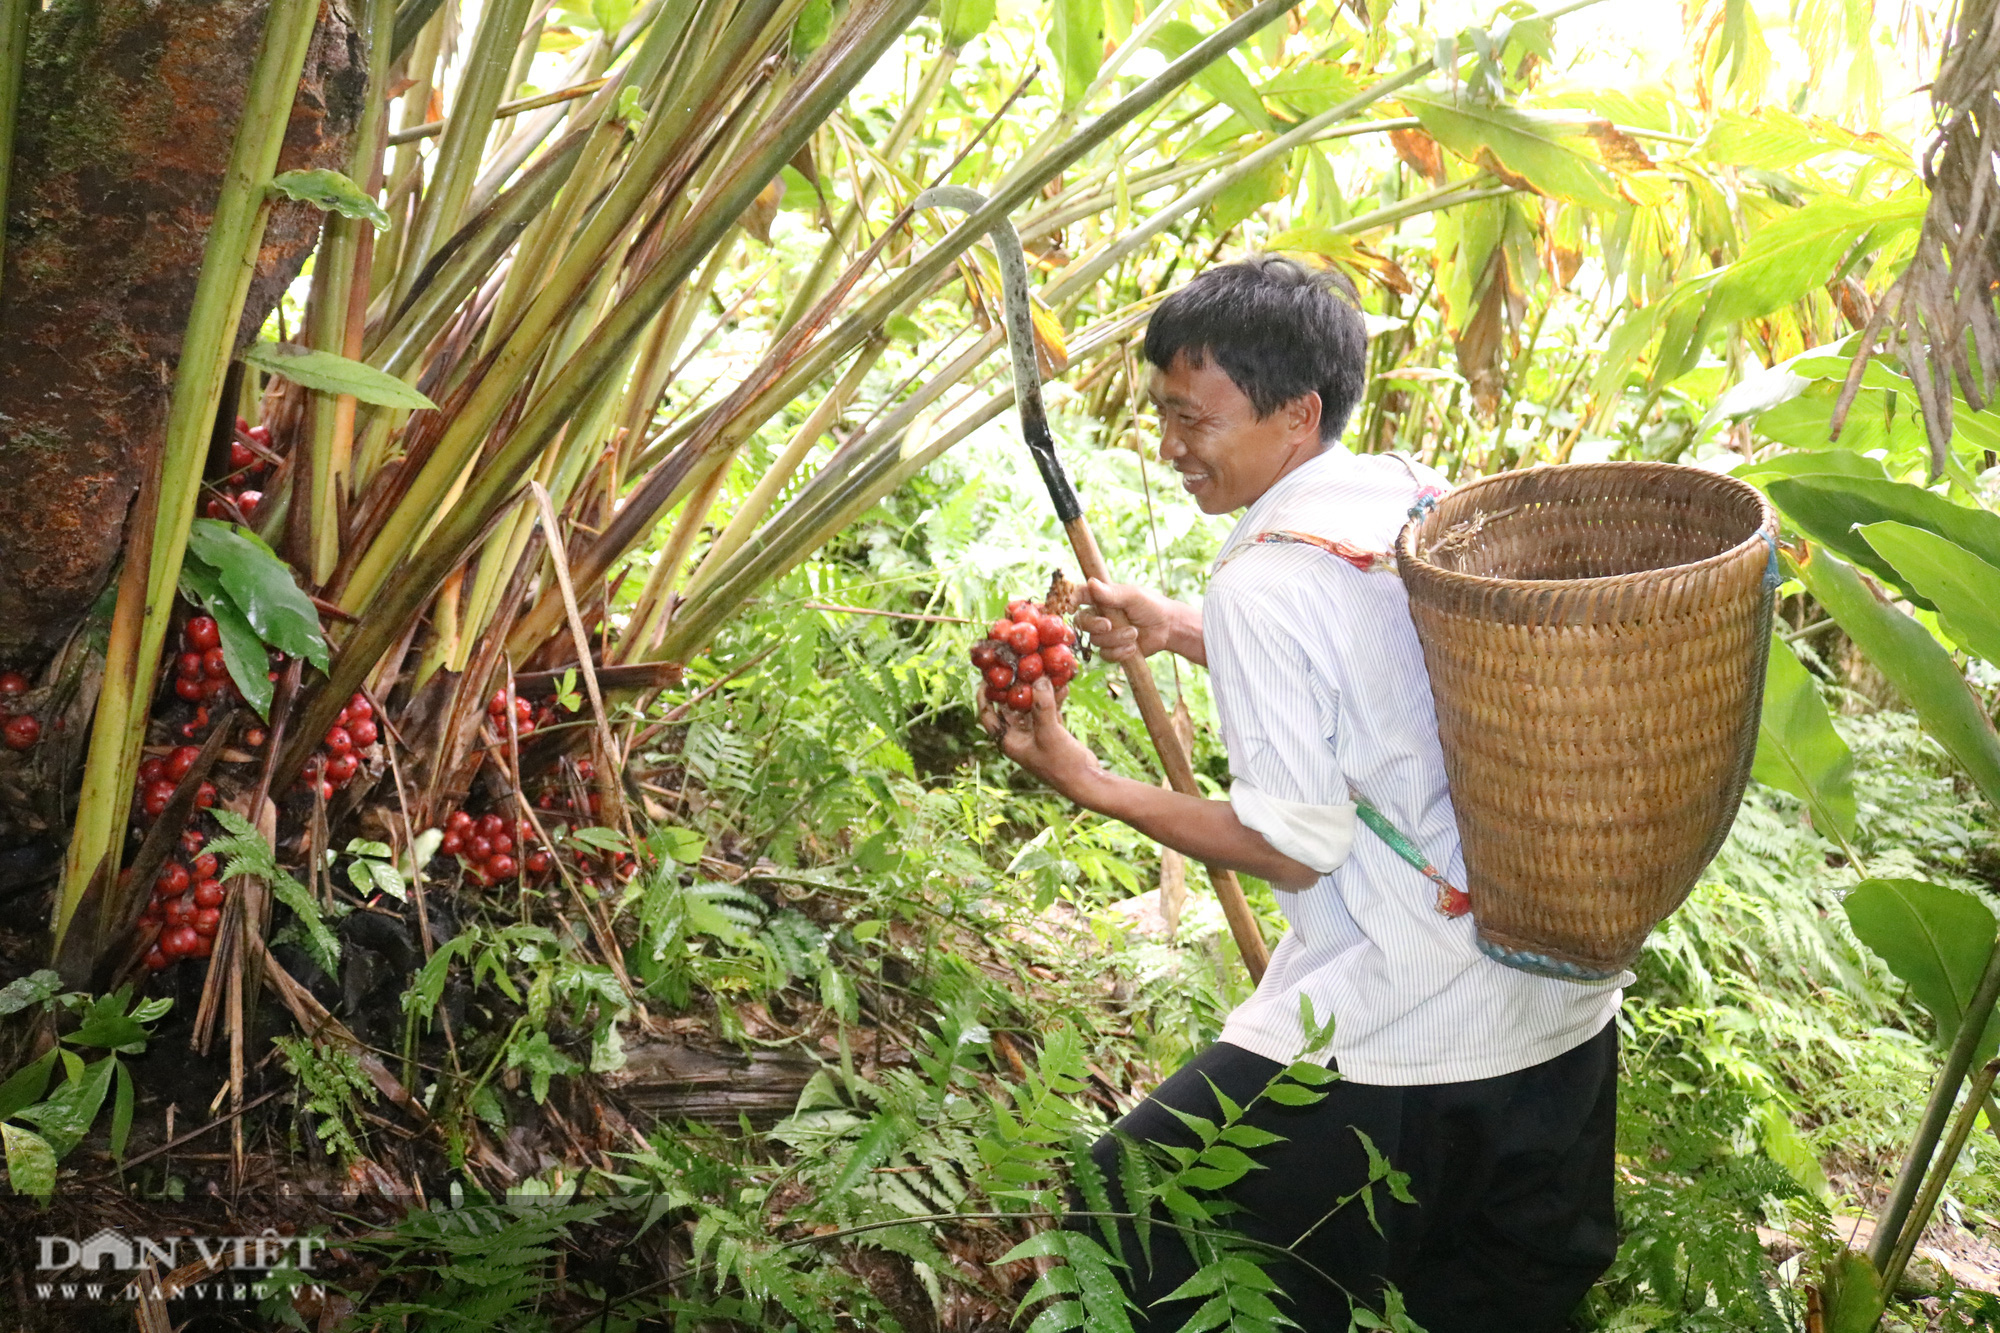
pixel 1940 1173
pixel 229 261
pixel 14 16
pixel 1896 1212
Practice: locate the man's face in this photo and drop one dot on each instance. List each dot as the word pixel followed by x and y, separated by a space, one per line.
pixel 1210 433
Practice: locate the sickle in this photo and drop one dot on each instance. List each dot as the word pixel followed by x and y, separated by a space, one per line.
pixel 1041 444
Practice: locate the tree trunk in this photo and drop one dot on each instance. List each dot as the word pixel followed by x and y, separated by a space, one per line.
pixel 127 112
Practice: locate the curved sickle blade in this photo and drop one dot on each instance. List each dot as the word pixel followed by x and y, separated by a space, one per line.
pixel 1020 343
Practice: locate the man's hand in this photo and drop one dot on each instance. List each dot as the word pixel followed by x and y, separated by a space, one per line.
pixel 1128 624
pixel 1039 742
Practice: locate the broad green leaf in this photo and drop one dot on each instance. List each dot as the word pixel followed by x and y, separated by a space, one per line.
pixel 682 844
pixel 963 20
pixel 242 650
pixel 1829 508
pixel 121 1113
pixel 1799 751
pixel 25 1086
pixel 809 30
pixel 1964 589
pixel 1223 80
pixel 1852 1295
pixel 1906 653
pixel 263 587
pixel 1250 192
pixel 1812 462
pixel 34 988
pixel 1801 251
pixel 31 1163
pixel 1936 939
pixel 111 1031
pixel 1545 152
pixel 65 1117
pixel 331 192
pixel 1076 39
pixel 334 374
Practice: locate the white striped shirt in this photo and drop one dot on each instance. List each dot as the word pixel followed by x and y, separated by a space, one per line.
pixel 1319 681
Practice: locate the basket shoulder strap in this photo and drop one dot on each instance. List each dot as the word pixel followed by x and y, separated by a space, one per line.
pixel 1452 901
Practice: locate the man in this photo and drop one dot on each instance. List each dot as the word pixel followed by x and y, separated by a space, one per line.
pixel 1494 1089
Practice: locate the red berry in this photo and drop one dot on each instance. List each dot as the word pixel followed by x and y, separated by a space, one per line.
pixel 997 694
pixel 982 653
pixel 205 921
pixel 214 687
pixel 1023 613
pixel 523 709
pixel 240 456
pixel 1022 638
pixel 189 688
pixel 177 912
pixel 1014 607
pixel 453 844
pixel 191 842
pixel 325 790
pixel 204 945
pixel 479 847
pixel 12 683
pixel 254 738
pixel 1049 630
pixel 247 502
pixel 214 665
pixel 999 677
pixel 539 862
pixel 204 795
pixel 341 768
pixel 338 741
pixel 179 941
pixel 151 916
pixel 208 893
pixel 172 881
pixel 502 845
pixel 152 770
pixel 489 825
pixel 22 731
pixel 497 705
pixel 156 798
pixel 1029 669
pixel 363 733
pixel 1021 698
pixel 214 509
pixel 156 959
pixel 202 634
pixel 359 707
pixel 260 433
pixel 182 760
pixel 998 630
pixel 585 769
pixel 458 821
pixel 501 867
pixel 204 866
pixel 1059 661
pixel 596 803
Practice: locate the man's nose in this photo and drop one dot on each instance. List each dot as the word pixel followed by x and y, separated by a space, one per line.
pixel 1170 447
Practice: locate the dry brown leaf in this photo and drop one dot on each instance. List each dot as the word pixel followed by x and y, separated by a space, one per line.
pixel 1420 153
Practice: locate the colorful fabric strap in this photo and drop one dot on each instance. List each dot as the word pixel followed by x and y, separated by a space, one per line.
pixel 1452 901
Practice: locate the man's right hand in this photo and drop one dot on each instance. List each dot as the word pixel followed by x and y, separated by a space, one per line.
pixel 1128 624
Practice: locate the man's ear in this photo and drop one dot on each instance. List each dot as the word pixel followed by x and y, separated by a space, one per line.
pixel 1303 414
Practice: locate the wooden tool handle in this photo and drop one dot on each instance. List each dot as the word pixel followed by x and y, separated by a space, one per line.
pixel 1174 757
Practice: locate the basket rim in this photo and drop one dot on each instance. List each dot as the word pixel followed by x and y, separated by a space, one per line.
pixel 1407 558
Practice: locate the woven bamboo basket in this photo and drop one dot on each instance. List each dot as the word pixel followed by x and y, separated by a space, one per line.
pixel 1596 636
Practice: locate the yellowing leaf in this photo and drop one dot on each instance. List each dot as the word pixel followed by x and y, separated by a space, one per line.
pixel 1542 153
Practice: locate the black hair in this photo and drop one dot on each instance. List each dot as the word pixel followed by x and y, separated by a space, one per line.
pixel 1278 329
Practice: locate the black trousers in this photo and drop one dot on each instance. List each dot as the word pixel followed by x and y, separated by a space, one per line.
pixel 1512 1176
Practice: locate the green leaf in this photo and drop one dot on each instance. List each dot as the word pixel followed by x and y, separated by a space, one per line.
pixel 1964 588
pixel 242 650
pixel 1076 40
pixel 1829 508
pixel 1812 462
pixel 331 192
pixel 1852 1295
pixel 34 988
pixel 1799 751
pixel 334 374
pixel 1802 249
pixel 1250 192
pixel 963 20
pixel 870 1151
pixel 121 1113
pixel 1921 671
pixel 65 1117
pixel 263 587
pixel 25 1086
pixel 31 1163
pixel 1936 939
pixel 1224 79
pixel 1545 151
pixel 810 29
pixel 682 844
pixel 113 1031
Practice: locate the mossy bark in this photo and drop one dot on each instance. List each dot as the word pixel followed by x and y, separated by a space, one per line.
pixel 127 113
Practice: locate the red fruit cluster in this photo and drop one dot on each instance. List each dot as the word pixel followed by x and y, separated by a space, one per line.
pixel 159 777
pixel 246 465
pixel 201 676
pixel 186 905
pixel 491 850
pixel 338 758
pixel 20 731
pixel 1029 644
pixel 526 716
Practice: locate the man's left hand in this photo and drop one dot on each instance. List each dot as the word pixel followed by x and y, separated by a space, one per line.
pixel 1039 742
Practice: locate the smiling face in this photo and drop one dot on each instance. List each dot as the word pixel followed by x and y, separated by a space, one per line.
pixel 1211 435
